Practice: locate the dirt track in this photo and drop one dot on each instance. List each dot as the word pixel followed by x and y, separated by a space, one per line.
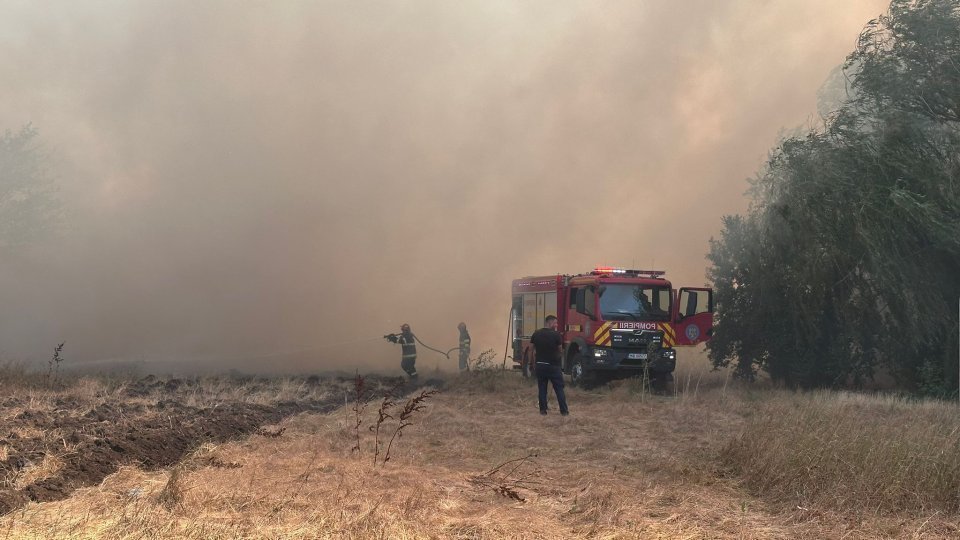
pixel 146 424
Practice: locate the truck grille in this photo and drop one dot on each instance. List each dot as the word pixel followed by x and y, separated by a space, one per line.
pixel 638 339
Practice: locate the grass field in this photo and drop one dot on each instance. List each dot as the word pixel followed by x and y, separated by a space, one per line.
pixel 713 459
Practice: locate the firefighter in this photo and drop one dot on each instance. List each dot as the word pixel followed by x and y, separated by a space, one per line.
pixel 549 344
pixel 464 347
pixel 408 349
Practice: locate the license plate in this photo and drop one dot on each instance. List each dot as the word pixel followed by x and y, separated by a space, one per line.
pixel 637 356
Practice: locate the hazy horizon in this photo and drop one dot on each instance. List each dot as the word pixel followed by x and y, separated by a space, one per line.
pixel 245 179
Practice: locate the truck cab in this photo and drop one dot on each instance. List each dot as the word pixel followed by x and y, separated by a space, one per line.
pixel 615 322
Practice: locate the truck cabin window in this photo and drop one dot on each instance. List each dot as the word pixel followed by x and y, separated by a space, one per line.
pixel 625 302
pixel 587 301
pixel 694 302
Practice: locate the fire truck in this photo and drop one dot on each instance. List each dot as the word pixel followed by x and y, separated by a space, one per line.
pixel 615 322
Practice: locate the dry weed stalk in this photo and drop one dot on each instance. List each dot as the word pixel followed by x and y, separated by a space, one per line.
pixel 388 402
pixel 414 404
pixel 507 484
pixel 53 365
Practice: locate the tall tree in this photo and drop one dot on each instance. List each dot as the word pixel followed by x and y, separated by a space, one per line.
pixel 849 257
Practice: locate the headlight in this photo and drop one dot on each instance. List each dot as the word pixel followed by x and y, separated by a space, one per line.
pixel 597 353
pixel 669 353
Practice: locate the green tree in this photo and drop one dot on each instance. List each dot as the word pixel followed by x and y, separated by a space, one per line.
pixel 849 257
pixel 907 60
pixel 28 204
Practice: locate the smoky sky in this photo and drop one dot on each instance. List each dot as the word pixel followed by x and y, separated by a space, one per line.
pixel 246 179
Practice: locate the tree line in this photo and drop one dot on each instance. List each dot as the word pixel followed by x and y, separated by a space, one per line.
pixel 847 261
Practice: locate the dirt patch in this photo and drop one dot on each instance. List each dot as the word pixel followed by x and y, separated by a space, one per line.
pixel 146 423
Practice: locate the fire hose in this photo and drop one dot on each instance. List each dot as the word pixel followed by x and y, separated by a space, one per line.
pixel 425 346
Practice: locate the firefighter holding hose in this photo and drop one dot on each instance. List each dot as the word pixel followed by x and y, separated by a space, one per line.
pixel 464 347
pixel 408 349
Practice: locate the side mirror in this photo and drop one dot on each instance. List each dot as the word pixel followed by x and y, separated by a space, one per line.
pixel 581 304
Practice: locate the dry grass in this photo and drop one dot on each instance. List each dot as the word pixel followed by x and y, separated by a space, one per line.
pixel 18 382
pixel 853 452
pixel 625 464
pixel 48 467
pixel 17 376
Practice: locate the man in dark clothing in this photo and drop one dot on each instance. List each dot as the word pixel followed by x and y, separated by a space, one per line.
pixel 408 349
pixel 549 346
pixel 464 347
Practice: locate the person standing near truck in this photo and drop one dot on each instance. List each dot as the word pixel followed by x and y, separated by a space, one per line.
pixel 548 344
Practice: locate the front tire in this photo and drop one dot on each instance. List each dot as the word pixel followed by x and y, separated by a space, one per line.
pixel 527 366
pixel 577 373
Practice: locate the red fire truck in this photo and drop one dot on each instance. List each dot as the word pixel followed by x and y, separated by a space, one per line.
pixel 615 322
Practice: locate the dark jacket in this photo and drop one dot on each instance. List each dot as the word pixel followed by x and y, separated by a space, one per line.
pixel 547 343
pixel 408 344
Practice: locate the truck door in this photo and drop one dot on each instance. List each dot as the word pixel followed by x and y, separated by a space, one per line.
pixel 693 315
pixel 550 305
pixel 529 308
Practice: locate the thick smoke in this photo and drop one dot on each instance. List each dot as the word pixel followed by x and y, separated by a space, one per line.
pixel 246 179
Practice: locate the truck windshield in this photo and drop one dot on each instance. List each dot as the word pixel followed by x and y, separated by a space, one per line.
pixel 626 302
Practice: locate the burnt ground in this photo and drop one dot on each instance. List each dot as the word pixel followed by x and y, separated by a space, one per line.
pixel 146 422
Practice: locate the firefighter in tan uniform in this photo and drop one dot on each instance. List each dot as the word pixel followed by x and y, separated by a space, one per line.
pixel 464 347
pixel 408 349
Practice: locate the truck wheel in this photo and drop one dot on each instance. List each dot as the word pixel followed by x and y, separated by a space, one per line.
pixel 577 375
pixel 527 366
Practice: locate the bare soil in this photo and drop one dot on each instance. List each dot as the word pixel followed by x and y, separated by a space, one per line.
pixel 146 423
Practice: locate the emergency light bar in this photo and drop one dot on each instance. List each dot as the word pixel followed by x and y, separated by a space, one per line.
pixel 613 270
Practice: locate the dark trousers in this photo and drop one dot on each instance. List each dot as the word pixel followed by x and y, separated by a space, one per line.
pixel 409 365
pixel 464 359
pixel 553 375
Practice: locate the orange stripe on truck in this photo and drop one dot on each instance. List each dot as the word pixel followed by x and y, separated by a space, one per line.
pixel 603 328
